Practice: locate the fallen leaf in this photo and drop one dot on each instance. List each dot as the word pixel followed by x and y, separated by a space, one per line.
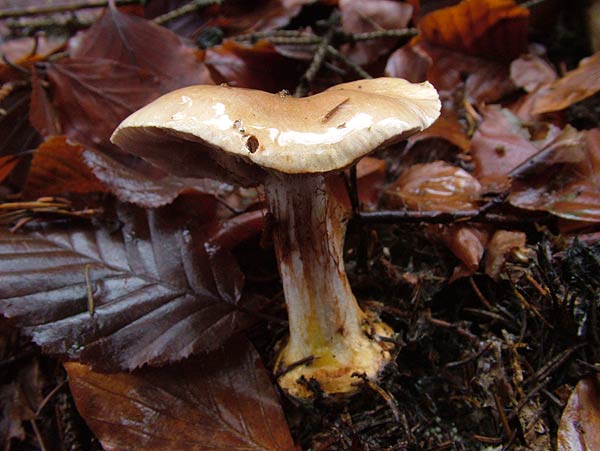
pixel 91 96
pixel 444 139
pixel 358 16
pixel 576 85
pixel 140 43
pixel 498 146
pixel 58 168
pixel 483 81
pixel 222 402
pixel 531 72
pixel 157 297
pixel 495 29
pixel 570 188
pixel 25 52
pixel 145 185
pixel 436 186
pixel 467 243
pixel 7 164
pixel 244 66
pixel 370 174
pixel 579 428
pixel 498 250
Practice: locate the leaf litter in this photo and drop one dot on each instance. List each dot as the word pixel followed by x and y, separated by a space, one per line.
pixel 477 240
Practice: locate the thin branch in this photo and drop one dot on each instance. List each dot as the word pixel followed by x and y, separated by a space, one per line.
pixel 348 62
pixel 319 56
pixel 185 9
pixel 54 9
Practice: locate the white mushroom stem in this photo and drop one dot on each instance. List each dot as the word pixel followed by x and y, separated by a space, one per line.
pixel 328 330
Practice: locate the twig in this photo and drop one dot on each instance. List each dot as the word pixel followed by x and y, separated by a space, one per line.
pixel 348 62
pixel 258 35
pixel 54 9
pixel 90 292
pixel 319 56
pixel 188 8
pixel 389 399
pixel 531 3
pixel 379 34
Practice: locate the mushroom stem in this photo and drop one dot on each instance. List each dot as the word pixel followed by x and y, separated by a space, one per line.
pixel 326 322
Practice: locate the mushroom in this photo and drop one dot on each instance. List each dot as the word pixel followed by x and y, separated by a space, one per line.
pixel 295 148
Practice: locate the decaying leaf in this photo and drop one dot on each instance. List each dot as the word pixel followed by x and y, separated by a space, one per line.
pixel 155 293
pixel 566 181
pixel 361 17
pixel 222 402
pixel 91 96
pixel 498 250
pixel 573 87
pixel 140 43
pixel 495 29
pixel 531 72
pixel 244 66
pixel 58 168
pixel 579 428
pixel 499 145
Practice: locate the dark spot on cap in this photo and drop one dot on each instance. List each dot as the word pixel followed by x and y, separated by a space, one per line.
pixel 252 143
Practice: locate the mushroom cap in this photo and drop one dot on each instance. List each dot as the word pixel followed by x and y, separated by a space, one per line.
pixel 321 133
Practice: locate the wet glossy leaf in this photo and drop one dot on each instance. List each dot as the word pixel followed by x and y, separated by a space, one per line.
pixel 360 17
pixel 576 85
pixel 140 43
pixel 58 168
pixel 222 402
pixel 579 428
pixel 436 186
pixel 467 243
pixel 140 183
pixel 495 29
pixel 157 295
pixel 91 96
pixel 370 173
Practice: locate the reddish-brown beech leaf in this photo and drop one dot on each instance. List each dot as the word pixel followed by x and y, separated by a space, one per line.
pixel 496 29
pixel 158 294
pixel 244 66
pixel 467 243
pixel 370 173
pixel 531 72
pixel 7 164
pixel 58 168
pixel 90 96
pixel 222 402
pixel 436 186
pixel 141 183
pixel 579 428
pixel 484 81
pixel 140 43
pixel 25 52
pixel 576 85
pixel 498 250
pixel 16 133
pixel 359 16
pixel 498 146
pixel 567 182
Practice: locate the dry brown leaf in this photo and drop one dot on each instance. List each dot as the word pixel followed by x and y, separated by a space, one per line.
pixel 496 29
pixel 579 428
pixel 359 16
pixel 58 168
pixel 568 183
pixel 531 72
pixel 498 146
pixel 576 85
pixel 371 174
pixel 222 402
pixel 436 186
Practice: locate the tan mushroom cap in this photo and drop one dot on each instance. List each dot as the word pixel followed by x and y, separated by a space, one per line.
pixel 321 133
